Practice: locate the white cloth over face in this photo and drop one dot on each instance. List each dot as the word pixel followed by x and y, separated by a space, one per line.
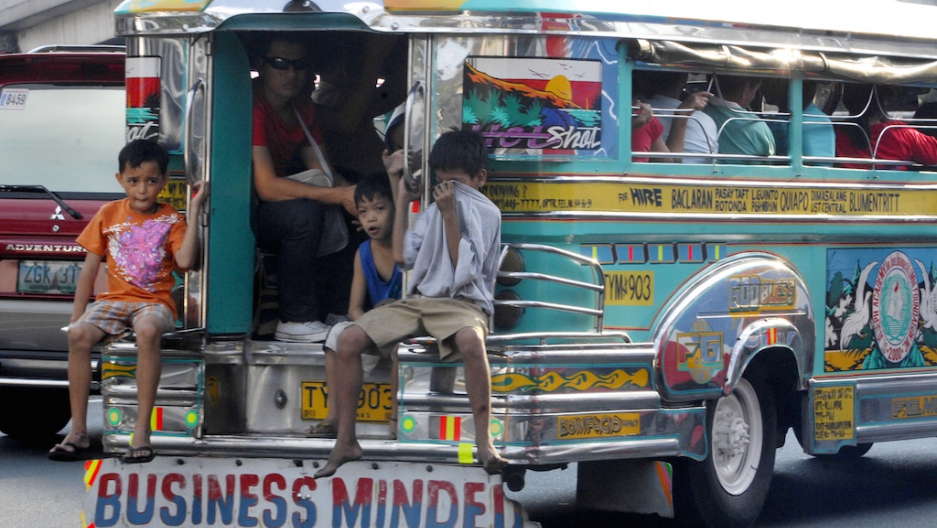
pixel 426 251
pixel 701 131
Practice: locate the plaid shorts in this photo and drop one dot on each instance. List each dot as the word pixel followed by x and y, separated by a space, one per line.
pixel 115 317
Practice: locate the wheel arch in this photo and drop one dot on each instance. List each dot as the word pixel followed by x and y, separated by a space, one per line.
pixel 775 323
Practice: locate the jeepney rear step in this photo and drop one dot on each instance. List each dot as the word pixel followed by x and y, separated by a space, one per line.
pixel 317 449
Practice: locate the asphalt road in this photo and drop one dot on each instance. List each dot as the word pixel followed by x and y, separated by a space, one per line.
pixel 895 484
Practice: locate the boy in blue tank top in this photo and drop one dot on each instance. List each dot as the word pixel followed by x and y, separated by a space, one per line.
pixel 376 279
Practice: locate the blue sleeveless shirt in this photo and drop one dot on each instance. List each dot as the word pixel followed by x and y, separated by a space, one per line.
pixel 378 290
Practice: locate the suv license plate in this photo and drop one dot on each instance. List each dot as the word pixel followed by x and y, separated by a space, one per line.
pixel 47 276
pixel 374 402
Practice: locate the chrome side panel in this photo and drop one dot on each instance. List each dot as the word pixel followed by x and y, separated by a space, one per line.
pixel 549 399
pixel 845 412
pixel 726 316
pixel 178 409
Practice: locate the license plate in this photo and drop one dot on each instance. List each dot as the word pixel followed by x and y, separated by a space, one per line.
pixel 47 276
pixel 374 402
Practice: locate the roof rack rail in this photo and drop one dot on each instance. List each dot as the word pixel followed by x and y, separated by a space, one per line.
pixel 89 48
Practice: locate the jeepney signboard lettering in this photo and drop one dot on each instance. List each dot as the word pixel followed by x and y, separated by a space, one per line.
pixel 913 407
pixel 833 413
pixel 615 197
pixel 276 493
pixel 752 294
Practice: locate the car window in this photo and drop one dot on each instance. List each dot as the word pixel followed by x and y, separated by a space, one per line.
pixel 63 137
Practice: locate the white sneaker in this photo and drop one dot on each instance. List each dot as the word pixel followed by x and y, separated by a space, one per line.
pixel 293 332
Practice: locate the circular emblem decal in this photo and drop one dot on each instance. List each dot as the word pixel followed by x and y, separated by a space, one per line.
pixel 895 307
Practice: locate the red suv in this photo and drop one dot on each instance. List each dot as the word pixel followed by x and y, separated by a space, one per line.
pixel 62 120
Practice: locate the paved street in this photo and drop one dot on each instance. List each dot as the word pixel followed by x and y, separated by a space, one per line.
pixel 36 492
pixel 893 485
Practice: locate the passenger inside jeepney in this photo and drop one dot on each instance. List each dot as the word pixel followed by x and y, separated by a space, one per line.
pixel 876 135
pixel 685 127
pixel 295 186
pixel 364 78
pixel 740 130
pixel 926 115
pixel 818 137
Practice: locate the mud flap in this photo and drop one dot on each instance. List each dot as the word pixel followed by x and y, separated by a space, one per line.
pixel 632 486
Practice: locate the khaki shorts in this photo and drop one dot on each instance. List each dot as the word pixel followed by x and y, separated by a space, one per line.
pixel 115 317
pixel 421 316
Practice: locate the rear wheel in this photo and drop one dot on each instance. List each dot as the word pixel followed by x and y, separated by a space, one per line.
pixel 729 487
pixel 33 413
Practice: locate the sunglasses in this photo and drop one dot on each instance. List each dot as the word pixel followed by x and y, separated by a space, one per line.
pixel 279 63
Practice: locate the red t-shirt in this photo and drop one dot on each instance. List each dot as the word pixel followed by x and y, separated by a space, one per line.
pixel 904 144
pixel 140 251
pixel 283 140
pixel 644 137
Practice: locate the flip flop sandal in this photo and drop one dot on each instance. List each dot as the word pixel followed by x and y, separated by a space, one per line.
pixel 138 455
pixel 323 430
pixel 77 453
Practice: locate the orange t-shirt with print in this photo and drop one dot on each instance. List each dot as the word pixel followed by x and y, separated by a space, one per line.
pixel 139 249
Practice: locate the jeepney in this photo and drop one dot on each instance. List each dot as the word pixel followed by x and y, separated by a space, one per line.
pixel 661 324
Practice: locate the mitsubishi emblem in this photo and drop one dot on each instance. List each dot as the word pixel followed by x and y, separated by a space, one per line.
pixel 57 215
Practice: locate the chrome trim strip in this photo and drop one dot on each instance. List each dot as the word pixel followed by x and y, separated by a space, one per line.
pixel 890 385
pixel 644 399
pixel 891 431
pixel 22 382
pixel 637 355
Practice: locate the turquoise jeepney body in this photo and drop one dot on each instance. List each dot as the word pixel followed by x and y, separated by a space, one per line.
pixel 660 324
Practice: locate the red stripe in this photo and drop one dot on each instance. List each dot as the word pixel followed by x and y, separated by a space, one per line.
pixel 690 251
pixel 457 430
pixel 442 427
pixel 630 252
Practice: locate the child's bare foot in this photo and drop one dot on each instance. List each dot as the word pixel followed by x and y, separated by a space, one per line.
pixel 340 455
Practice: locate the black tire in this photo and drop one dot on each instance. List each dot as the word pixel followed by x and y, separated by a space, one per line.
pixel 725 490
pixel 29 413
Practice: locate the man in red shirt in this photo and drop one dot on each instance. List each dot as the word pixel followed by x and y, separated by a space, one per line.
pixel 290 215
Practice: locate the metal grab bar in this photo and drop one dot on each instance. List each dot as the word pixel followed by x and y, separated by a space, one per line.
pixel 597 286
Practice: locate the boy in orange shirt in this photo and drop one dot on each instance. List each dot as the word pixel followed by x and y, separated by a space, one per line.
pixel 144 242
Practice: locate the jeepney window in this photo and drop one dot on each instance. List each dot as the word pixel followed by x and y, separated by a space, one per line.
pixel 881 126
pixel 699 117
pixel 530 96
pixel 65 138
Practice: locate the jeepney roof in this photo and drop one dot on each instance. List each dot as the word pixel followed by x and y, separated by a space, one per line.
pixel 822 25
